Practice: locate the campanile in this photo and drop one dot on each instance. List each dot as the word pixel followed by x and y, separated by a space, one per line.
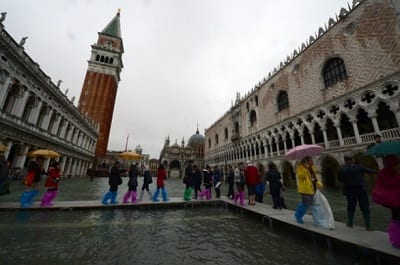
pixel 100 86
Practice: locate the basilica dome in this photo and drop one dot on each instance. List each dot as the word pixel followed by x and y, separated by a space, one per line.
pixel 196 139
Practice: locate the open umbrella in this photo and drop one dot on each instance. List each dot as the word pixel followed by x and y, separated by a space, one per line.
pixel 301 151
pixel 3 148
pixel 44 153
pixel 385 148
pixel 130 156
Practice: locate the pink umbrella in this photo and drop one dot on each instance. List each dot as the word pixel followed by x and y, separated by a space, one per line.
pixel 301 151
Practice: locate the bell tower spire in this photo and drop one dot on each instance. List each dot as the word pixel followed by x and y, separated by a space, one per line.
pixel 100 86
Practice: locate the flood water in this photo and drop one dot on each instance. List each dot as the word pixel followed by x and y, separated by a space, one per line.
pixel 197 236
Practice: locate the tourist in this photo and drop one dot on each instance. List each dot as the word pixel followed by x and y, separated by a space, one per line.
pixel 386 192
pixel 230 180
pixel 377 140
pixel 252 179
pixel 197 180
pixel 355 189
pixel 207 182
pixel 275 185
pixel 132 184
pixel 240 183
pixel 114 180
pixel 161 177
pixel 147 180
pixel 51 185
pixel 188 181
pixel 217 178
pixel 307 184
pixel 35 171
pixel 260 188
pixel 4 174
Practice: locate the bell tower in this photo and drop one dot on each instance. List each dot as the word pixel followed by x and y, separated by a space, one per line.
pixel 100 86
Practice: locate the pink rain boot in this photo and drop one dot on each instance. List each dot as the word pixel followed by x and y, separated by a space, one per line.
pixel 241 198
pixel 134 194
pixel 45 199
pixel 53 194
pixel 203 193
pixel 394 233
pixel 127 196
pixel 236 198
pixel 208 194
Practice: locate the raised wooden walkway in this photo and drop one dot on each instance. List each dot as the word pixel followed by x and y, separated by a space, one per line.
pixel 375 241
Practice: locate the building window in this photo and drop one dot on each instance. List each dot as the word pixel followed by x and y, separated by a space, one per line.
pixel 334 71
pixel 256 100
pixel 216 139
pixel 226 133
pixel 253 118
pixel 209 143
pixel 283 101
pixel 247 106
pixel 97 58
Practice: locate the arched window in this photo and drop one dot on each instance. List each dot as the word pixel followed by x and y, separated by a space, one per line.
pixel 334 71
pixel 111 60
pixel 283 101
pixel 11 98
pixel 102 59
pixel 106 60
pixel 226 133
pixel 209 143
pixel 236 127
pixel 216 139
pixel 52 123
pixel 42 114
pixel 97 57
pixel 28 109
pixel 253 118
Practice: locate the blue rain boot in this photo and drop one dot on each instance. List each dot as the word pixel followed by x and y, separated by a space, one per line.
pixel 164 194
pixel 114 197
pixel 155 196
pixel 106 197
pixel 25 199
pixel 32 194
pixel 300 212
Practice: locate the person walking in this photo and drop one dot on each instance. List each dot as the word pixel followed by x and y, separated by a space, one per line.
pixel 188 181
pixel 231 181
pixel 161 177
pixel 147 180
pixel 355 189
pixel 252 179
pixel 240 184
pixel 197 180
pixel 35 172
pixel 386 192
pixel 132 184
pixel 114 180
pixel 260 188
pixel 307 184
pixel 275 185
pixel 217 178
pixel 51 185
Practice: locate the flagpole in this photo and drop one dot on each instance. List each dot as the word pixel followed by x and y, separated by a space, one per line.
pixel 126 144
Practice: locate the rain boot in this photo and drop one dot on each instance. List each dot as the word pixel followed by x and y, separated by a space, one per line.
pixel 141 195
pixel 208 195
pixel 394 233
pixel 45 199
pixel 236 198
pixel 134 194
pixel 127 196
pixel 241 198
pixel 300 212
pixel 367 220
pixel 106 197
pixel 350 217
pixel 164 195
pixel 114 197
pixel 156 193
pixel 25 199
pixel 188 194
pixel 202 193
pixel 53 194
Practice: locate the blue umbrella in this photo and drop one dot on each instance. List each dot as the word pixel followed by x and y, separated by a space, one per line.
pixel 385 148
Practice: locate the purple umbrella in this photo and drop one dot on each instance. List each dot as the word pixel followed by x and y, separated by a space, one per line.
pixel 301 151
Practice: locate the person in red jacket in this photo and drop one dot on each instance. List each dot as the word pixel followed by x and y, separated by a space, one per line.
pixel 161 177
pixel 53 178
pixel 252 179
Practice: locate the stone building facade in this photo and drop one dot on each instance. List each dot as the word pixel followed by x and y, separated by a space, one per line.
pixel 100 86
pixel 175 157
pixel 337 90
pixel 35 114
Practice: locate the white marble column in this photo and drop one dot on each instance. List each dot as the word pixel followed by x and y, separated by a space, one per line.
pixel 356 131
pixel 339 132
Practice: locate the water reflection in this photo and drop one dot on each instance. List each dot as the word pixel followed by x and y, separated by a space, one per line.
pixel 200 236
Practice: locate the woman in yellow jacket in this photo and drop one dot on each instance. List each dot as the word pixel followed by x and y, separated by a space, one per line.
pixel 307 184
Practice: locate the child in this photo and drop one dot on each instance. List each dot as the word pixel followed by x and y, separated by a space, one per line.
pixel 132 184
pixel 51 184
pixel 161 177
pixel 35 171
pixel 207 182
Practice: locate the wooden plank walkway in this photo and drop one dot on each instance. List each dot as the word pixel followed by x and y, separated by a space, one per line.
pixel 375 241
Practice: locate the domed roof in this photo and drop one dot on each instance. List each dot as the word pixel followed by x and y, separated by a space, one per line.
pixel 196 139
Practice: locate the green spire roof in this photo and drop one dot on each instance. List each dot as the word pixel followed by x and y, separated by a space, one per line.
pixel 113 28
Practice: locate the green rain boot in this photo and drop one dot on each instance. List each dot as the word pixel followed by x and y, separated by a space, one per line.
pixel 350 218
pixel 187 195
pixel 367 220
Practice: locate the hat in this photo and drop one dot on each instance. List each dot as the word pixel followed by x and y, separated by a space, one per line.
pixel 391 160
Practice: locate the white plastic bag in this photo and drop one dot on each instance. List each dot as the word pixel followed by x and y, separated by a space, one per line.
pixel 322 212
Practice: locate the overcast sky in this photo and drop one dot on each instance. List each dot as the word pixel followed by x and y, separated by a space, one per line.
pixel 184 60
